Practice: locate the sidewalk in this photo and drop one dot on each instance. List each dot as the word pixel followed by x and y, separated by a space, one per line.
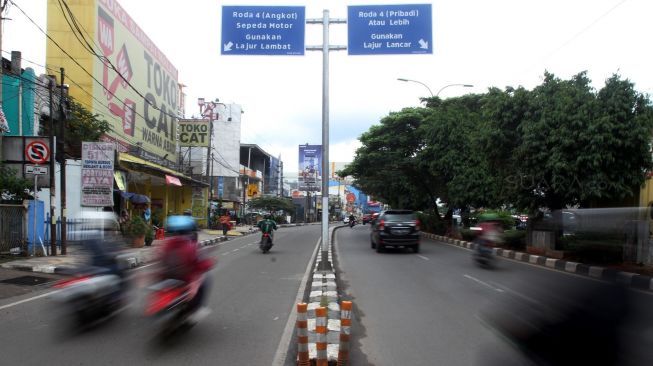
pixel 77 255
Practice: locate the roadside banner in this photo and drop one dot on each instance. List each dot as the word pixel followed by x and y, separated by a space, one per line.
pixel 97 174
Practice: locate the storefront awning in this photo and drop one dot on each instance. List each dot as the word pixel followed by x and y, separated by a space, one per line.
pixel 172 181
pixel 123 157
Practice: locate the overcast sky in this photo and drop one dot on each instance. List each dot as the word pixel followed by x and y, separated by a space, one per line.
pixel 479 42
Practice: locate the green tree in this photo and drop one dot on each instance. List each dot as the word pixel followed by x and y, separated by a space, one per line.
pixel 272 204
pixel 83 125
pixel 583 148
pixel 12 186
pixel 387 165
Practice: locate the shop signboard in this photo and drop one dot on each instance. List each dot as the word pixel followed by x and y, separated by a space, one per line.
pixel 194 132
pixel 97 174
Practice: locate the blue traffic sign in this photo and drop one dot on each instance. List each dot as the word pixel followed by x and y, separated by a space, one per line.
pixel 389 29
pixel 263 30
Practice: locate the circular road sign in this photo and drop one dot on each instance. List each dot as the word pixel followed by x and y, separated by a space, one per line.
pixel 37 152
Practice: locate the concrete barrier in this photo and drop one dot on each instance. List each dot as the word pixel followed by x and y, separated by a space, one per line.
pixel 302 335
pixel 321 330
pixel 345 332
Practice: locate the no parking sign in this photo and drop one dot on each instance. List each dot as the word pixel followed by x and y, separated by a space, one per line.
pixel 37 152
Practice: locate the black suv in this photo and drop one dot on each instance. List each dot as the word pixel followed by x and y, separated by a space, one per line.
pixel 395 228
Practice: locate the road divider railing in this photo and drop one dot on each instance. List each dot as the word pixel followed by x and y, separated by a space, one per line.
pixel 302 335
pixel 345 333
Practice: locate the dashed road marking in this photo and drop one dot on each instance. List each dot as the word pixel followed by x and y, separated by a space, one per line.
pixel 483 283
pixel 423 257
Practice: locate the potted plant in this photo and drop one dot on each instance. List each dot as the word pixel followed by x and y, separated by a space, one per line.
pixel 149 235
pixel 136 230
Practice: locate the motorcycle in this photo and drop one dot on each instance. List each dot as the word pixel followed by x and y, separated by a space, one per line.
pixel 266 242
pixel 352 223
pixel 172 304
pixel 91 295
pixel 484 253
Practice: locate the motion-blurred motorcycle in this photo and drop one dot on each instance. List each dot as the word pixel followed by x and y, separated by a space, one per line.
pixel 173 304
pixel 97 290
pixel 90 295
pixel 266 242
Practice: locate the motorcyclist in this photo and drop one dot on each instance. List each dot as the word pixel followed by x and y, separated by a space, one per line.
pixel 180 259
pixel 352 220
pixel 267 226
pixel 489 237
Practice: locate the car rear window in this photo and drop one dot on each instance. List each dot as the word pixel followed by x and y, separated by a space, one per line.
pixel 399 216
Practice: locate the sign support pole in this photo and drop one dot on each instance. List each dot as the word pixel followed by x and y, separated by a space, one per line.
pixel 325 48
pixel 36 177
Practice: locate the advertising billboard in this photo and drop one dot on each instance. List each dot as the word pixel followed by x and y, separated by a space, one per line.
pixel 310 168
pixel 97 174
pixel 127 79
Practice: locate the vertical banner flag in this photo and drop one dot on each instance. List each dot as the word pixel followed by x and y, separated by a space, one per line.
pixel 97 174
pixel 310 168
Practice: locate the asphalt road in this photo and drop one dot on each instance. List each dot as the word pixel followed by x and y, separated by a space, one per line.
pixel 252 297
pixel 435 307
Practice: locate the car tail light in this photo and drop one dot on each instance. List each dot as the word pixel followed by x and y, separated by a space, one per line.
pixel 381 225
pixel 417 224
pixel 70 281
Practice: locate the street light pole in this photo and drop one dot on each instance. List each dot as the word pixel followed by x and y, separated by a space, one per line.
pixel 446 86
pixel 418 82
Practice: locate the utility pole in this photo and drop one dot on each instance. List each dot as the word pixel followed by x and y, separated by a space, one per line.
pixel 3 7
pixel 53 223
pixel 61 149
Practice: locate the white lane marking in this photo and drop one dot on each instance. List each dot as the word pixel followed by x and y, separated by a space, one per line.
pixel 423 257
pixel 284 342
pixel 235 250
pixel 28 299
pixel 276 318
pixel 515 293
pixel 482 283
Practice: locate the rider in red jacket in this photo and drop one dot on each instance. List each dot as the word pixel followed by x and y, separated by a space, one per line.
pixel 180 257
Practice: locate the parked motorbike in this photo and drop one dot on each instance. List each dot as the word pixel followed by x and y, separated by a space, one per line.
pixel 266 242
pixel 91 295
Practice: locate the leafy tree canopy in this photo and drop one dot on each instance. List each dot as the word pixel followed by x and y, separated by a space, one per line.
pixel 272 204
pixel 562 143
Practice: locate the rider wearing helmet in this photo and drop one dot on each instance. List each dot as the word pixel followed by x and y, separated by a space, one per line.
pixel 267 225
pixel 180 257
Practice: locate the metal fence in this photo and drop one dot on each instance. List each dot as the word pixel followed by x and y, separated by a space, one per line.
pixel 76 230
pixel 12 233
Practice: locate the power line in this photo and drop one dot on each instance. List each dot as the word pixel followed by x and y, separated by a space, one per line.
pixel 78 33
pixel 84 69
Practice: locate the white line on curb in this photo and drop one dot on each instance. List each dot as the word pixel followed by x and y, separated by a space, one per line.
pixel 284 342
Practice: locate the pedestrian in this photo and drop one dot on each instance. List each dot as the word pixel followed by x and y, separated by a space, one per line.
pixel 225 222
